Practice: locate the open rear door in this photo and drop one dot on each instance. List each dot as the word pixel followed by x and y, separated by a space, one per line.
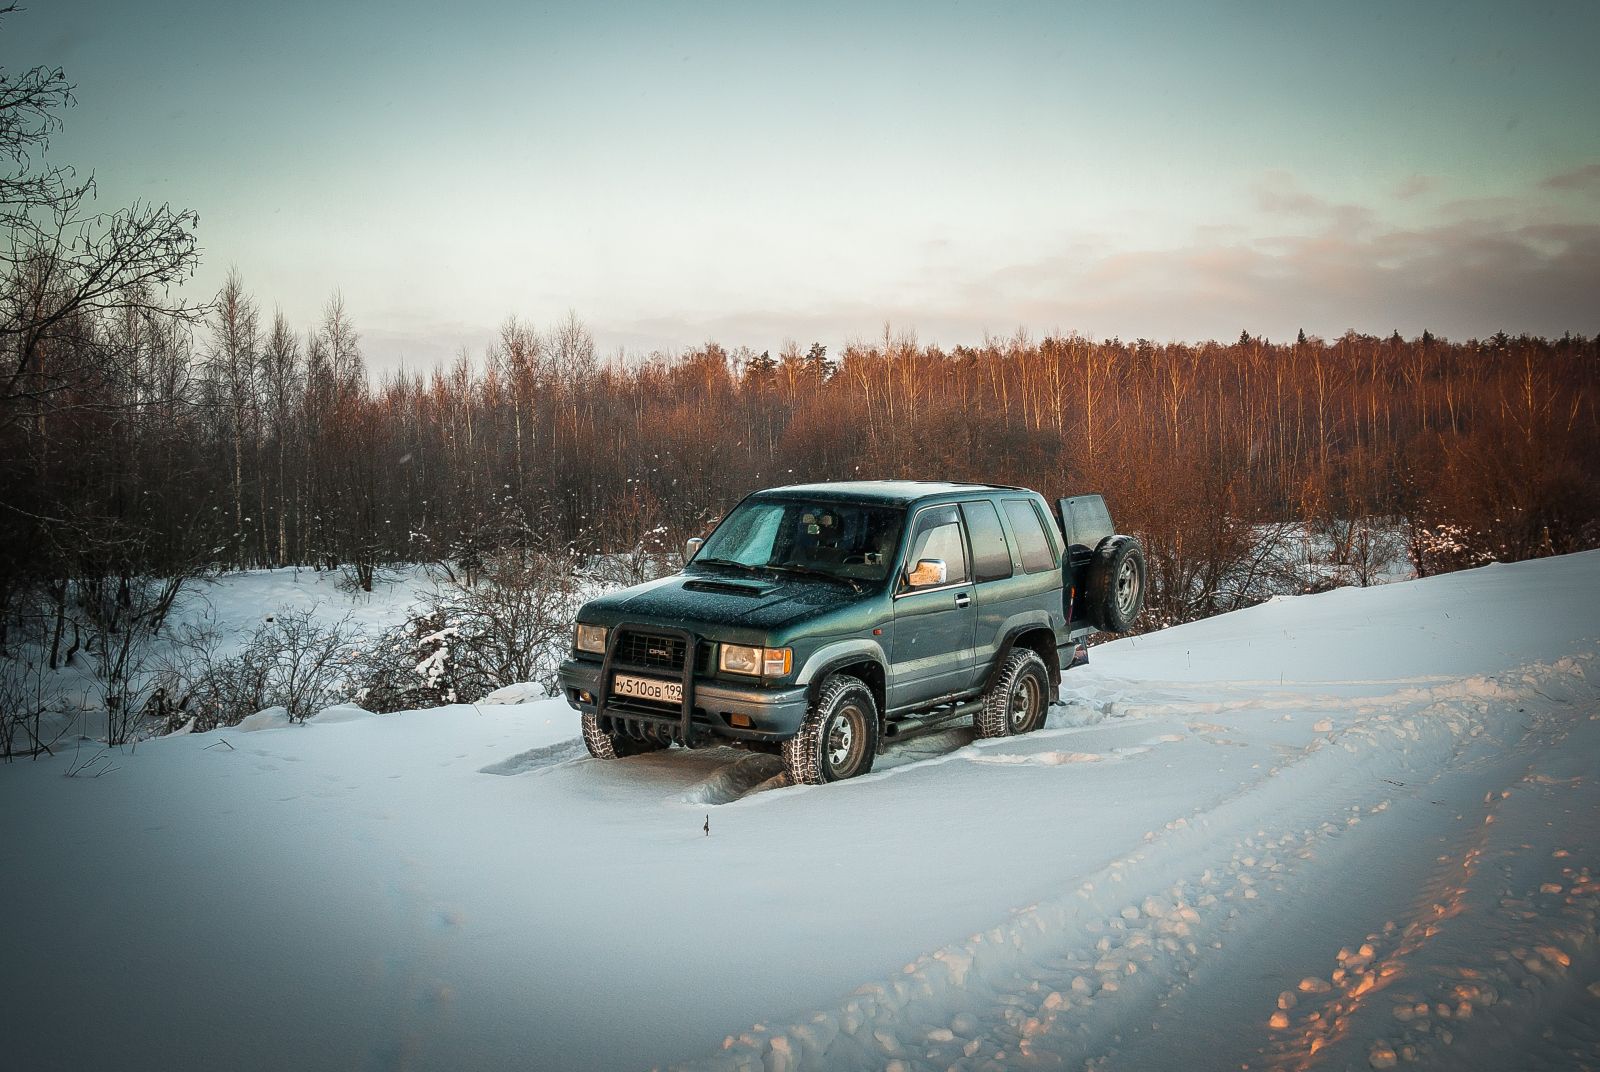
pixel 1085 521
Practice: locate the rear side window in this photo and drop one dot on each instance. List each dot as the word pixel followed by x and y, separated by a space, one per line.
pixel 1091 521
pixel 991 558
pixel 1037 553
pixel 938 535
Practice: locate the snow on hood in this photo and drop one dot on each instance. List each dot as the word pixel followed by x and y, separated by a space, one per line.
pixel 708 600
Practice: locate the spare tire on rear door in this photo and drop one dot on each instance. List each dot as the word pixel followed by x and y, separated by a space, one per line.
pixel 1114 588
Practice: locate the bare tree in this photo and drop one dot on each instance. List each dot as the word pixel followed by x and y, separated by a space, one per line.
pixel 283 383
pixel 63 260
pixel 232 370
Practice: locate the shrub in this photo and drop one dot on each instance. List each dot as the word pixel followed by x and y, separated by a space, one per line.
pixel 409 667
pixel 512 623
pixel 291 661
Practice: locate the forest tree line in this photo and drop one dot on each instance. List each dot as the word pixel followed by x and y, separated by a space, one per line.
pixel 148 437
pixel 167 445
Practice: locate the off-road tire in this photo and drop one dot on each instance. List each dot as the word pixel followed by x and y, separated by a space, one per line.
pixel 603 745
pixel 838 738
pixel 1114 588
pixel 1020 698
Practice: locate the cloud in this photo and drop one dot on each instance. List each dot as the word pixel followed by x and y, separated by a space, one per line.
pixel 1481 208
pixel 1470 268
pixel 1415 186
pixel 1457 278
pixel 1460 278
pixel 1586 178
pixel 1279 193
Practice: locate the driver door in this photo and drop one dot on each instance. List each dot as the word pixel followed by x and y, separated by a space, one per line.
pixel 931 643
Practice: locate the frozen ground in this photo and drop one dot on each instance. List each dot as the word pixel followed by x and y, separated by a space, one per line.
pixel 1338 831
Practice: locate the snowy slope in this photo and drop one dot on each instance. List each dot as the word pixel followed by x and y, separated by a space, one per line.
pixel 1330 831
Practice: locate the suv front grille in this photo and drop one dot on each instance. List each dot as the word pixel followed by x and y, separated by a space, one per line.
pixel 658 652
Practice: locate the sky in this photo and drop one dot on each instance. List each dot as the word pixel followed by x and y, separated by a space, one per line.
pixel 754 173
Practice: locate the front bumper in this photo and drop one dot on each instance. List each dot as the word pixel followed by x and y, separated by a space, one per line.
pixel 774 714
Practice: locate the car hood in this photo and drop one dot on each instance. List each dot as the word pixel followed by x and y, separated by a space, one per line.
pixel 708 602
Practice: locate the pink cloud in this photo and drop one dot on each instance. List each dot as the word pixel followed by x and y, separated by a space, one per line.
pixel 1280 194
pixel 1457 278
pixel 1586 178
pixel 1478 267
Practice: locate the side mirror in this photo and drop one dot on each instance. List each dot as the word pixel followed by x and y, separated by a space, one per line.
pixel 691 547
pixel 929 572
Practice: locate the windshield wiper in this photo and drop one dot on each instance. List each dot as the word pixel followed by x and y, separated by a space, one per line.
pixel 726 562
pixel 809 571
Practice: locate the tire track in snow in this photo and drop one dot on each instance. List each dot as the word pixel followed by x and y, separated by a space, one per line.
pixel 1473 965
pixel 1341 1017
pixel 1050 986
pixel 538 760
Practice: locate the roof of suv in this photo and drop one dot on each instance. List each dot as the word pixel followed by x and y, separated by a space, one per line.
pixel 897 492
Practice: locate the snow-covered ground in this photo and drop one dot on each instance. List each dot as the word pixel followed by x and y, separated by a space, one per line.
pixel 230 607
pixel 1346 830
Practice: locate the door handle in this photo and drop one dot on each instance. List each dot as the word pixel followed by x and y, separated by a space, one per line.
pixel 962 599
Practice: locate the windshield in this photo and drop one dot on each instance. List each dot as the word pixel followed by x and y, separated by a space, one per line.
pixel 851 541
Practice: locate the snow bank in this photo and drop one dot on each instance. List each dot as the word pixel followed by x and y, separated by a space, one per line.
pixel 519 693
pixel 271 718
pixel 345 712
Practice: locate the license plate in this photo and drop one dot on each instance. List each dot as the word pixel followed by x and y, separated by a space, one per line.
pixel 647 688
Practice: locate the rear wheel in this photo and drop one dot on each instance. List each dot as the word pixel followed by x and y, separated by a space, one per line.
pixel 1020 698
pixel 839 737
pixel 605 745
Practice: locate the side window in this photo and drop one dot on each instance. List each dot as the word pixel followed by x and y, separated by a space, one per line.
pixel 938 535
pixel 991 559
pixel 1038 554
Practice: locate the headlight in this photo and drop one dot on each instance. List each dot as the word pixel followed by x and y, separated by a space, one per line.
pixel 589 637
pixel 769 662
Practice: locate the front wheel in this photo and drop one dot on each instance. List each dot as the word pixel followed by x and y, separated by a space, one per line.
pixel 1020 698
pixel 604 745
pixel 839 737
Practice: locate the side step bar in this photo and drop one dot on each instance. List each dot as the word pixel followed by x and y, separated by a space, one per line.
pixel 930 721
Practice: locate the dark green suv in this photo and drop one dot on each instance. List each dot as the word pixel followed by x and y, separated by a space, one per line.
pixel 823 620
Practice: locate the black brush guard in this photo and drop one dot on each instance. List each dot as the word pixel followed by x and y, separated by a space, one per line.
pixel 631 721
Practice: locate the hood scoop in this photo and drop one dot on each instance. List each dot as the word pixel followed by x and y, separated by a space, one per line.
pixel 727 588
